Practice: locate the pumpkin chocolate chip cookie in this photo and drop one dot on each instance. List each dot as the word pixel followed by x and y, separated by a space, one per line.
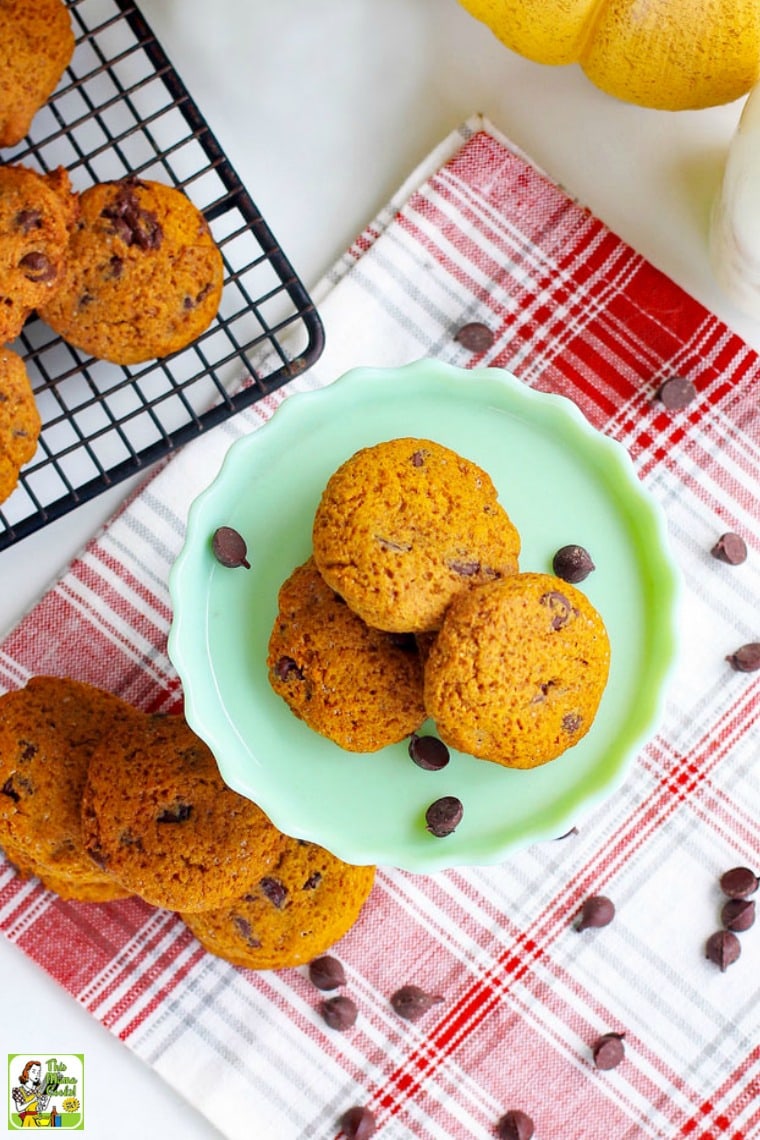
pixel 358 686
pixel 48 731
pixel 405 526
pixel 298 910
pixel 143 277
pixel 37 43
pixel 37 212
pixel 157 815
pixel 19 420
pixel 518 669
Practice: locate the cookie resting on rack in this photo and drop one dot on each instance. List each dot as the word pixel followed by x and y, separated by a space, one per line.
pixel 19 420
pixel 144 275
pixel 36 45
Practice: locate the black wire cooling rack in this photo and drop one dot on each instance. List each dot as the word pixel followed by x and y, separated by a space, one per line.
pixel 122 109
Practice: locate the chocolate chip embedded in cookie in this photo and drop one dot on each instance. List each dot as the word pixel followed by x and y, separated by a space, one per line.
pixel 36 215
pixel 305 903
pixel 517 671
pixel 19 420
pixel 157 815
pixel 360 687
pixel 404 526
pixel 144 275
pixel 37 44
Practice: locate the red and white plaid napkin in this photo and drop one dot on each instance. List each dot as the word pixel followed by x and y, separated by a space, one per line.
pixel 478 234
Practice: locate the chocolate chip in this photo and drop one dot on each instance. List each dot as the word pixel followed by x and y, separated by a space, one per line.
pixel 131 223
pixel 738 914
pixel 571 722
pixel 37 267
pixel 730 548
pixel 566 834
pixel 465 569
pixel 28 220
pixel 676 393
pixel 245 931
pixel 339 1012
pixel 746 659
pixel 475 336
pixel 418 459
pixel 723 948
pixel 391 544
pixel 9 790
pixel 739 882
pixel 275 891
pixel 596 911
pixel 286 668
pixel 312 882
pixel 444 816
pixel 608 1050
pixel 428 752
pixel 115 267
pixel 572 563
pixel 229 548
pixel 411 1002
pixel 358 1123
pixel 515 1125
pixel 30 751
pixel 559 607
pixel 327 973
pixel 175 814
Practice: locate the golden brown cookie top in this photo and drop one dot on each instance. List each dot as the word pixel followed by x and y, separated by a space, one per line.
pixel 144 275
pixel 158 816
pixel 36 215
pixel 19 420
pixel 37 44
pixel 403 526
pixel 517 670
pixel 358 686
pixel 306 902
pixel 48 731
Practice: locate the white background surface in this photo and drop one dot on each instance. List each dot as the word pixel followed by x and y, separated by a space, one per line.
pixel 324 107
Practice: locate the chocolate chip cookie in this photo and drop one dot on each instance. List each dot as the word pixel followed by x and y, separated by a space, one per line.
pixel 143 276
pixel 37 44
pixel 19 420
pixel 405 526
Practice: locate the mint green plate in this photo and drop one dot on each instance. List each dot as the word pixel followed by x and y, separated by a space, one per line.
pixel 560 481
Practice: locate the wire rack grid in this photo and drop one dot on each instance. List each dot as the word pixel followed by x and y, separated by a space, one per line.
pixel 121 109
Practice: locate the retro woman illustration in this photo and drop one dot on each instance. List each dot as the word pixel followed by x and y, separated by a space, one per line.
pixel 29 1097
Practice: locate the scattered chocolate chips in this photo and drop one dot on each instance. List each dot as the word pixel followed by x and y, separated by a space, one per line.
pixel 339 1012
pixel 275 891
pixel 229 548
pixel 608 1050
pixel 596 911
pixel 746 659
pixel 723 948
pixel 358 1123
pixel 444 816
pixel 286 668
pixel 676 393
pixel 730 548
pixel 131 223
pixel 327 973
pixel 428 752
pixel 411 1002
pixel 37 267
pixel 738 914
pixel 515 1125
pixel 739 882
pixel 475 336
pixel 28 220
pixel 572 563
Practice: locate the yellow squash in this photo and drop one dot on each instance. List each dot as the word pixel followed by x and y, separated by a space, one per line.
pixel 669 54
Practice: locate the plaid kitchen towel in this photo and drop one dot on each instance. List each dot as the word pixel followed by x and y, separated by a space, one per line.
pixel 478 234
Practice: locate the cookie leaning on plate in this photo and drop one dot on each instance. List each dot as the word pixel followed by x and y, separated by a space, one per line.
pixel 158 817
pixel 143 275
pixel 518 669
pixel 306 902
pixel 360 687
pixel 37 44
pixel 48 731
pixel 404 526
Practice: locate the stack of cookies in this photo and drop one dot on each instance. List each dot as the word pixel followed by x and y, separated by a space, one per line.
pixel 413 605
pixel 101 801
pixel 127 271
